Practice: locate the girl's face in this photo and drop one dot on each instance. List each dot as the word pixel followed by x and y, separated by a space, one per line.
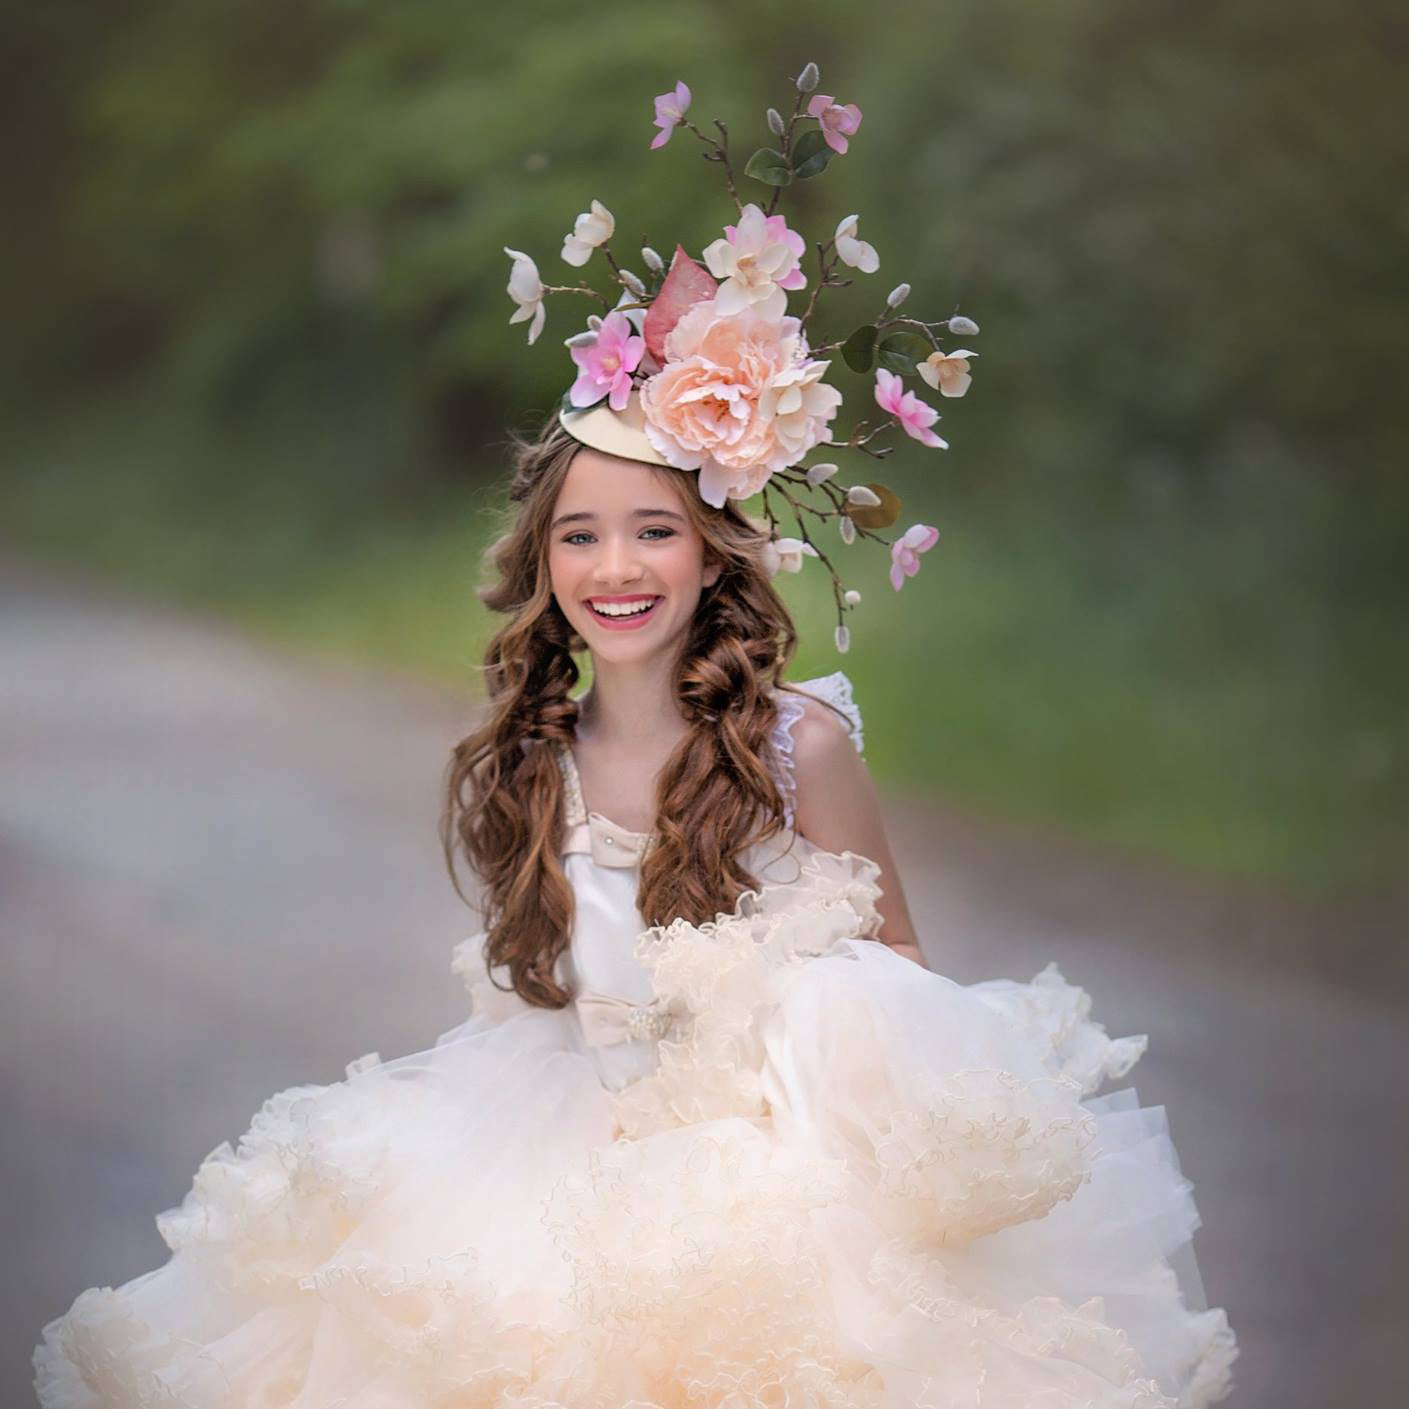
pixel 625 560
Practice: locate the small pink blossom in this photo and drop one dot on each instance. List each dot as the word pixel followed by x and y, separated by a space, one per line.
pixel 914 415
pixel 670 111
pixel 905 552
pixel 605 367
pixel 838 120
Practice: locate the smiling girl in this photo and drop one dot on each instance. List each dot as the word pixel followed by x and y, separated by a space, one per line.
pixel 713 1135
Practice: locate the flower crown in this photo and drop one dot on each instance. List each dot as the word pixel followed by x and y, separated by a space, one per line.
pixel 701 367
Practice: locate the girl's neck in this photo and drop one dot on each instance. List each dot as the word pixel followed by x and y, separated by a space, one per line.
pixel 629 703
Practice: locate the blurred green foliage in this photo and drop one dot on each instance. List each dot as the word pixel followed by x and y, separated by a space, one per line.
pixel 259 354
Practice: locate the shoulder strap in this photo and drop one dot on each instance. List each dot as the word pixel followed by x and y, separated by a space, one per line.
pixel 836 690
pixel 574 809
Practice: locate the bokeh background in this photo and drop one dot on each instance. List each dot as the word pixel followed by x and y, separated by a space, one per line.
pixel 257 374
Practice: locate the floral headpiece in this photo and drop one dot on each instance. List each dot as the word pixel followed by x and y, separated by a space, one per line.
pixel 701 367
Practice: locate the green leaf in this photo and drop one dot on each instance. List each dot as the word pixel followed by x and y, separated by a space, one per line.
pixel 859 349
pixel 770 167
pixel 898 352
pixel 811 154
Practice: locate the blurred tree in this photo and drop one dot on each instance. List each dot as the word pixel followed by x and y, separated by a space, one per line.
pixel 1181 228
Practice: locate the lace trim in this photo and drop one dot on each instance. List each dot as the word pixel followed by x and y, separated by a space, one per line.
pixel 836 690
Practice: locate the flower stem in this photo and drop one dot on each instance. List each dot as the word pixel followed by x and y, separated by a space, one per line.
pixel 787 148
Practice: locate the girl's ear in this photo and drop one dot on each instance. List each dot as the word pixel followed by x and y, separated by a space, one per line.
pixel 711 574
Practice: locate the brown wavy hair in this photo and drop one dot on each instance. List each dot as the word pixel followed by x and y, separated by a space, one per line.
pixel 504 791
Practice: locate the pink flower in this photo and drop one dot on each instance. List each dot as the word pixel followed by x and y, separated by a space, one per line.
pixel 738 399
pixel 837 121
pixel 905 552
pixel 758 260
pixel 670 110
pixel 914 416
pixel 605 367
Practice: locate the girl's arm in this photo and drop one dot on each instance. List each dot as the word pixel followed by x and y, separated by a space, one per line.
pixel 838 810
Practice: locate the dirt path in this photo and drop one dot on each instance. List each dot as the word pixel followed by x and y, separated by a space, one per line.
pixel 219 876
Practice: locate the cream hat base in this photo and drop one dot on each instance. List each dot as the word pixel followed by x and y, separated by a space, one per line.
pixel 621 433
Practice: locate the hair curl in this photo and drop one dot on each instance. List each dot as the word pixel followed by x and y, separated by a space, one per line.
pixel 715 795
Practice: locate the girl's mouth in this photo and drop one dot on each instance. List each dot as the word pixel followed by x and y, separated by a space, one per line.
pixel 624 614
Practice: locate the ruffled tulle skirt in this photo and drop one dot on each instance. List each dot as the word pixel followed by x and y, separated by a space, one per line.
pixel 841 1180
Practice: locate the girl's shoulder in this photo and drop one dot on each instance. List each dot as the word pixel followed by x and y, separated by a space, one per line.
pixel 804 721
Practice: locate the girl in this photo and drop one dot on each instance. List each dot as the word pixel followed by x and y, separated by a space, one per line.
pixel 712 1135
pixel 759 1155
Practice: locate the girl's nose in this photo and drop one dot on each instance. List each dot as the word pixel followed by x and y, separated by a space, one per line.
pixel 618 562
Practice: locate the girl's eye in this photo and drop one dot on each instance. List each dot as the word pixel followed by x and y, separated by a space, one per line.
pixel 581 533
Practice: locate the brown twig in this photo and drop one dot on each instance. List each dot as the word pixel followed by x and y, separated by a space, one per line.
pixel 577 289
pixel 719 151
pixel 787 149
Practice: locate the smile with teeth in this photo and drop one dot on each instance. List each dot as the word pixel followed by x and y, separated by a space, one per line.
pixel 637 606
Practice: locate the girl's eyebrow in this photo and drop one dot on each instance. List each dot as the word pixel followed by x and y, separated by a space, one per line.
pixel 635 514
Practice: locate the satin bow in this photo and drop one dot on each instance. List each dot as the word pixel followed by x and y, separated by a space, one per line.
pixel 607 1020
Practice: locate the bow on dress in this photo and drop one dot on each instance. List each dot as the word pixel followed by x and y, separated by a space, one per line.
pixel 607 1020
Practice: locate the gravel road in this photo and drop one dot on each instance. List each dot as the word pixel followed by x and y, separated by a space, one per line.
pixel 219 876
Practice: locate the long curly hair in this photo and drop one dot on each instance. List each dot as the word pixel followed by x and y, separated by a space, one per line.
pixel 504 790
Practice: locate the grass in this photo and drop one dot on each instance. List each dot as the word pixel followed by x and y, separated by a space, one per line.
pixel 1131 688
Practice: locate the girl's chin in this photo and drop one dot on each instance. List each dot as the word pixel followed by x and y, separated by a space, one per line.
pixel 613 643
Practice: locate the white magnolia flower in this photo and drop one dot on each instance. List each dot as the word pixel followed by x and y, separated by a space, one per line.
pixel 947 372
pixel 857 253
pixel 593 227
pixel 526 290
pixel 786 555
pixel 791 552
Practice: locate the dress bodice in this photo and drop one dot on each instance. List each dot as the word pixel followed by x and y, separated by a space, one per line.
pixel 601 861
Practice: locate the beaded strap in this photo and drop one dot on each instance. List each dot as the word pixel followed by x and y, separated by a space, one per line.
pixel 574 809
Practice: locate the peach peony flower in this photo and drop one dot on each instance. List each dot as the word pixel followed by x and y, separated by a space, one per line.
pixel 738 399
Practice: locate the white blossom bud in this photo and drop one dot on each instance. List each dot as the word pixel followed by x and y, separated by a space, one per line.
pixel 851 596
pixel 860 494
pixel 775 122
pixel 848 529
pixel 897 295
pixel 588 338
pixel 633 283
pixel 594 321
pixel 809 78
pixel 966 327
pixel 843 639
pixel 652 260
pixel 817 473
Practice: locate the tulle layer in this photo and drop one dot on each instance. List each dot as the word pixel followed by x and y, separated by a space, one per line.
pixel 847 1182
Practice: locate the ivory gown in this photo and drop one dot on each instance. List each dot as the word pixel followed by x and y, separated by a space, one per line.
pixel 761 1162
